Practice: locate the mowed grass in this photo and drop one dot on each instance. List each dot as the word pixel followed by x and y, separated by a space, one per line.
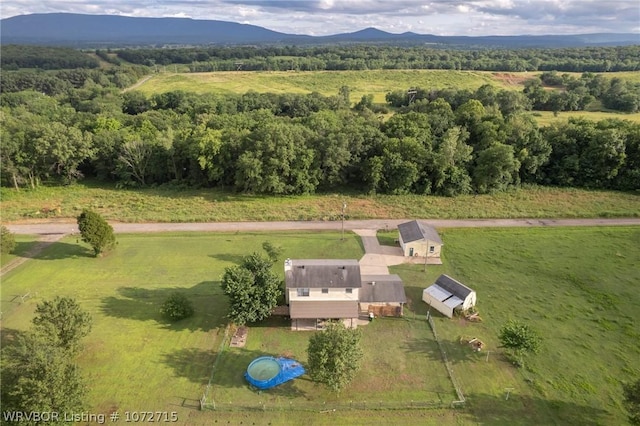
pixel 24 243
pixel 401 368
pixel 375 82
pixel 133 358
pixel 167 204
pixel 578 287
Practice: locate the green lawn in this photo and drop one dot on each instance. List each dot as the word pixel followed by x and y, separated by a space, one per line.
pixel 133 359
pixel 401 367
pixel 24 243
pixel 169 204
pixel 576 286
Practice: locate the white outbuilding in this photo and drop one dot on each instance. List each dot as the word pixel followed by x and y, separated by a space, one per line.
pixel 417 238
pixel 447 294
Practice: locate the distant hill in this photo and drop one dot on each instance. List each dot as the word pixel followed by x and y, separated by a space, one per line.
pixel 66 29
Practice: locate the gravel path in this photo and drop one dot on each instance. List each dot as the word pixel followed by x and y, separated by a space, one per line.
pixel 67 227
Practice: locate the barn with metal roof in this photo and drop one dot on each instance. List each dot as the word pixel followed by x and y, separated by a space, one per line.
pixel 447 294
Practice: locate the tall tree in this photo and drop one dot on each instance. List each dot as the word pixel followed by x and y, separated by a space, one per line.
pixel 96 231
pixel 38 376
pixel 334 356
pixel 63 320
pixel 253 289
pixel 496 168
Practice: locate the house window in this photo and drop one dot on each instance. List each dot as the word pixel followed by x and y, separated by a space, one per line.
pixel 432 249
pixel 303 292
pixel 325 291
pixel 348 290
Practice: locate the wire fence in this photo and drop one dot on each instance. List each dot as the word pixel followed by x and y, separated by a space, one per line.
pixel 327 407
pixel 442 400
pixel 206 402
pixel 461 399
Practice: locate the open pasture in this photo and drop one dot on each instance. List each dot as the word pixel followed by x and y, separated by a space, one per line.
pixel 171 204
pixel 576 286
pixel 376 82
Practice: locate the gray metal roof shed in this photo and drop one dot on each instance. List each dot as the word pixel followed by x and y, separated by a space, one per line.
pixel 416 230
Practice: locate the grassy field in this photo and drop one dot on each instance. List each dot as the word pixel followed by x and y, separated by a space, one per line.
pixel 24 243
pixel 133 359
pixel 376 82
pixel 167 204
pixel 395 371
pixel 544 118
pixel 576 286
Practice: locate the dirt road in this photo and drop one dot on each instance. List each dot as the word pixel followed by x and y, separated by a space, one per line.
pixel 49 228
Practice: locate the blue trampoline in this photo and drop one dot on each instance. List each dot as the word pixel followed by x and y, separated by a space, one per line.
pixel 266 372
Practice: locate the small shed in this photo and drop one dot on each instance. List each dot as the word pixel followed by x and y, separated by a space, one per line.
pixel 416 238
pixel 447 294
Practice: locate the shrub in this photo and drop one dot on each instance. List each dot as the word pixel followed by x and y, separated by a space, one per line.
pixel 177 307
pixel 96 231
pixel 8 242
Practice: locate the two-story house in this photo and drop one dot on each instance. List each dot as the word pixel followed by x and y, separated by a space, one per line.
pixel 322 289
pixel 330 289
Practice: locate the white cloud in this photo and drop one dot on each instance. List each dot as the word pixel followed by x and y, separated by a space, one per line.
pixel 318 17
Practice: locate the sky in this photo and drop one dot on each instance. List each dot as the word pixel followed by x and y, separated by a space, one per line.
pixel 324 17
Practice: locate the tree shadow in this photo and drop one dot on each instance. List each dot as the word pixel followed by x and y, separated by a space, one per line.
pixel 51 251
pixel 196 365
pixel 532 410
pixel 143 304
pixel 236 259
pixel 456 352
pixel 59 250
pixel 191 363
pixel 23 248
pixel 232 365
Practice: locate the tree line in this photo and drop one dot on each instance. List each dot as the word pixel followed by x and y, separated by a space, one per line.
pixel 329 58
pixel 297 144
pixel 549 91
pixel 370 57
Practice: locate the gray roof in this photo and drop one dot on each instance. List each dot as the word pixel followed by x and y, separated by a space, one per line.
pixel 387 288
pixel 415 230
pixel 452 286
pixel 323 273
pixel 324 309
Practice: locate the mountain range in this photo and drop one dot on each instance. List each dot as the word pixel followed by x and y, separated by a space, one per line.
pixel 67 29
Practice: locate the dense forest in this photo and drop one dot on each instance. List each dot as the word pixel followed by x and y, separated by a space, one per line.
pixel 435 142
pixel 332 58
pixel 364 57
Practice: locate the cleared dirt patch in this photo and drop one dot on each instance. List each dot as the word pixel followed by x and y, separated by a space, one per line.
pixel 509 79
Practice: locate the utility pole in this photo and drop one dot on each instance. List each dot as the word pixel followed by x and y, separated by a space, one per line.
pixel 344 207
pixel 426 253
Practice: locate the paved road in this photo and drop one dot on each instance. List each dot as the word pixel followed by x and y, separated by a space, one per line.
pixel 67 227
